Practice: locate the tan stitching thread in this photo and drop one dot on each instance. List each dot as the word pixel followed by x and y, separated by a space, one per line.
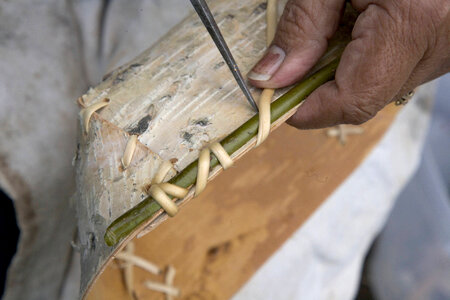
pixel 271 19
pixel 130 148
pixel 128 271
pixel 166 203
pixel 221 154
pixel 204 161
pixel 174 190
pixel 80 102
pixel 169 279
pixel 87 112
pixel 342 131
pixel 164 168
pixel 264 115
pixel 266 96
pixel 160 190
pixel 128 260
pixel 203 171
pixel 161 287
pixel 139 262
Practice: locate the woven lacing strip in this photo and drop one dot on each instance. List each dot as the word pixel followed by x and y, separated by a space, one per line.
pixel 159 190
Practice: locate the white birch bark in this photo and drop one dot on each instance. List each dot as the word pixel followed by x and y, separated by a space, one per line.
pixel 177 97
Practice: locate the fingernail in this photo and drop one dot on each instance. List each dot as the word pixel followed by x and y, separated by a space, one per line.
pixel 268 65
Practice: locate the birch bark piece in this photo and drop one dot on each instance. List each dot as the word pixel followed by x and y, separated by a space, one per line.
pixel 176 97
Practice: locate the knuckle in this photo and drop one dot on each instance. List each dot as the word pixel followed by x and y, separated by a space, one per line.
pixel 432 20
pixel 358 112
pixel 297 19
pixel 304 20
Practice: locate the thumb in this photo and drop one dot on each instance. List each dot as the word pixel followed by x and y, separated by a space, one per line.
pixel 373 68
pixel 299 42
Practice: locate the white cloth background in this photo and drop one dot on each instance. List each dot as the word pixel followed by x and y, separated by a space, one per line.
pixel 411 258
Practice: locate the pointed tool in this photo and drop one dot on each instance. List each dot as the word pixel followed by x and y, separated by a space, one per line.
pixel 207 18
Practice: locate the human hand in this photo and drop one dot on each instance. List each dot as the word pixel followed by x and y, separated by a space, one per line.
pixel 396 46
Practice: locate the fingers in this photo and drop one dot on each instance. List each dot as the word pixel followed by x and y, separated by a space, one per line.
pixel 373 69
pixel 300 40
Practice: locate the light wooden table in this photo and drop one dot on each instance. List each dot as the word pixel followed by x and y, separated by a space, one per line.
pixel 221 238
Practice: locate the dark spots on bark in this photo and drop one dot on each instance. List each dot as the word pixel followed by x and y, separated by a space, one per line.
pixel 135 65
pixel 260 8
pixel 98 219
pixel 165 98
pixel 230 16
pixel 122 75
pixel 106 76
pixel 202 122
pixel 173 160
pixel 183 59
pixel 217 66
pixel 187 136
pixel 141 126
pixel 118 178
pixel 91 241
pixel 77 154
pixel 119 78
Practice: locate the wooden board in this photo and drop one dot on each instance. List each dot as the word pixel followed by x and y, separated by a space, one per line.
pixel 222 237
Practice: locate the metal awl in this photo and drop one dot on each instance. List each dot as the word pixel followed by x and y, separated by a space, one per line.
pixel 207 18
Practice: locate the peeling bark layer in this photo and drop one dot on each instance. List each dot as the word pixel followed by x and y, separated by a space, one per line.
pixel 177 96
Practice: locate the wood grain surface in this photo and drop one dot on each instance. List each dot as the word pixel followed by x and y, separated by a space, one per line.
pixel 221 238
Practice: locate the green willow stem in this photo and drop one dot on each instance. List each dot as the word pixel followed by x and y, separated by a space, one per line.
pixel 129 221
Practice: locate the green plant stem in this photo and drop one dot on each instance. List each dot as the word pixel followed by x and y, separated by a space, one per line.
pixel 129 221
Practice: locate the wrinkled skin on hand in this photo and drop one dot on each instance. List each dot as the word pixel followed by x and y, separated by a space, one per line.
pixel 396 46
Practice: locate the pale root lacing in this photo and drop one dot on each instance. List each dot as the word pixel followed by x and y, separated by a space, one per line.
pixel 266 96
pixel 87 112
pixel 160 190
pixel 129 151
pixel 129 260
pixel 203 164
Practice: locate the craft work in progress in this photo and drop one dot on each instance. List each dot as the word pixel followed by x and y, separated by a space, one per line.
pixel 156 132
